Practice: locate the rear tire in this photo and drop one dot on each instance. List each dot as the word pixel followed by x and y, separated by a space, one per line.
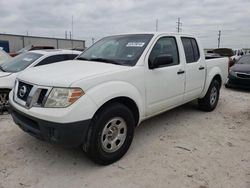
pixel 111 134
pixel 210 101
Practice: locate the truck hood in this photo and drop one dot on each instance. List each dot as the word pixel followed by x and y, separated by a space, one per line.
pixel 4 74
pixel 241 68
pixel 65 73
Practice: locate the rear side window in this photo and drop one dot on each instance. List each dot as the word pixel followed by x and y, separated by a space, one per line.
pixel 191 49
pixel 53 59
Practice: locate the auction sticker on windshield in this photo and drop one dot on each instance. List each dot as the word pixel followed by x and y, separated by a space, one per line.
pixel 27 59
pixel 135 44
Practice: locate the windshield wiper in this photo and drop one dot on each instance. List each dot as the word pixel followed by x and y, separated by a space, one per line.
pixel 82 58
pixel 1 68
pixel 99 60
pixel 105 61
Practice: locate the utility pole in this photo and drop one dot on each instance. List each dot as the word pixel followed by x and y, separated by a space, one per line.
pixel 156 25
pixel 66 35
pixel 219 35
pixel 93 40
pixel 179 24
pixel 70 35
pixel 72 26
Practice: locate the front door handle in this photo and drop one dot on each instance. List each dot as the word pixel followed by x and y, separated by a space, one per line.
pixel 201 68
pixel 181 72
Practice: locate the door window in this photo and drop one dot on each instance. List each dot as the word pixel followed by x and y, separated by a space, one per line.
pixel 191 49
pixel 165 46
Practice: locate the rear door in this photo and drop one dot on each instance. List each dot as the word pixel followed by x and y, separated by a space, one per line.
pixel 195 69
pixel 164 85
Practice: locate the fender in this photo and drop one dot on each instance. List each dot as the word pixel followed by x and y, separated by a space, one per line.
pixel 104 92
pixel 210 75
pixel 7 81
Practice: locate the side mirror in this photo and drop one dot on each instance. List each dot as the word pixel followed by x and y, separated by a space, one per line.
pixel 161 60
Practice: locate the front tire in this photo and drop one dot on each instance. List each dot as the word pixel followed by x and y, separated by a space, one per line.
pixel 210 101
pixel 111 134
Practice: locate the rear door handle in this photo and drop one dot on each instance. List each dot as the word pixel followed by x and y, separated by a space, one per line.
pixel 181 72
pixel 201 68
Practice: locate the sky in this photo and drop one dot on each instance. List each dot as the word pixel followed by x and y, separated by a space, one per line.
pixel 99 18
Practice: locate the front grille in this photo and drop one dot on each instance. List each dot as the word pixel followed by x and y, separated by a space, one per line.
pixel 23 91
pixel 241 75
pixel 29 95
pixel 42 96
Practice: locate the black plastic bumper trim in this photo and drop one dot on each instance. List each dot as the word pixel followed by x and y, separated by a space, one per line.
pixel 66 134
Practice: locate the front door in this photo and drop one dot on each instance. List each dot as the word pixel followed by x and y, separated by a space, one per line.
pixel 165 84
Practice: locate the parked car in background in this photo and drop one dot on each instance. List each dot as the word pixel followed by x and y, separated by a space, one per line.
pixel 11 68
pixel 237 54
pixel 98 99
pixel 78 49
pixel 3 56
pixel 239 74
pixel 30 48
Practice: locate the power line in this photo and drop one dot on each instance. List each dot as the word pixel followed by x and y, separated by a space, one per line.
pixel 179 24
pixel 219 35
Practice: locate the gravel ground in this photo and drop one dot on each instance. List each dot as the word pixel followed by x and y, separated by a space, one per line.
pixel 181 148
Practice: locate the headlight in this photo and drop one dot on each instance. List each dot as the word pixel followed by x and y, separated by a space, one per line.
pixel 63 97
pixel 231 72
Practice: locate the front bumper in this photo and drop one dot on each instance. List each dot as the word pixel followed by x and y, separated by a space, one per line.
pixel 66 134
pixel 237 82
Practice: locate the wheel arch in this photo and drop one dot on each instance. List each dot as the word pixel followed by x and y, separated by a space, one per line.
pixel 126 101
pixel 214 74
pixel 218 78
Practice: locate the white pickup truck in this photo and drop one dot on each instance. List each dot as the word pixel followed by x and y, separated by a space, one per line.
pixel 97 100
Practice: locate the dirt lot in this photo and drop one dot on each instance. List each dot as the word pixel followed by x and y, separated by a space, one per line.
pixel 178 149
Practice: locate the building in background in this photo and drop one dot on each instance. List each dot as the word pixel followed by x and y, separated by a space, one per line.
pixel 13 43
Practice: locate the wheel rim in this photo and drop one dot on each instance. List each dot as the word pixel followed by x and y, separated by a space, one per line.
pixel 3 100
pixel 213 96
pixel 114 135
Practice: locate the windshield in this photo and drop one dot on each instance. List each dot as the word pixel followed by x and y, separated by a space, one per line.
pixel 25 49
pixel 3 56
pixel 244 60
pixel 19 62
pixel 121 50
